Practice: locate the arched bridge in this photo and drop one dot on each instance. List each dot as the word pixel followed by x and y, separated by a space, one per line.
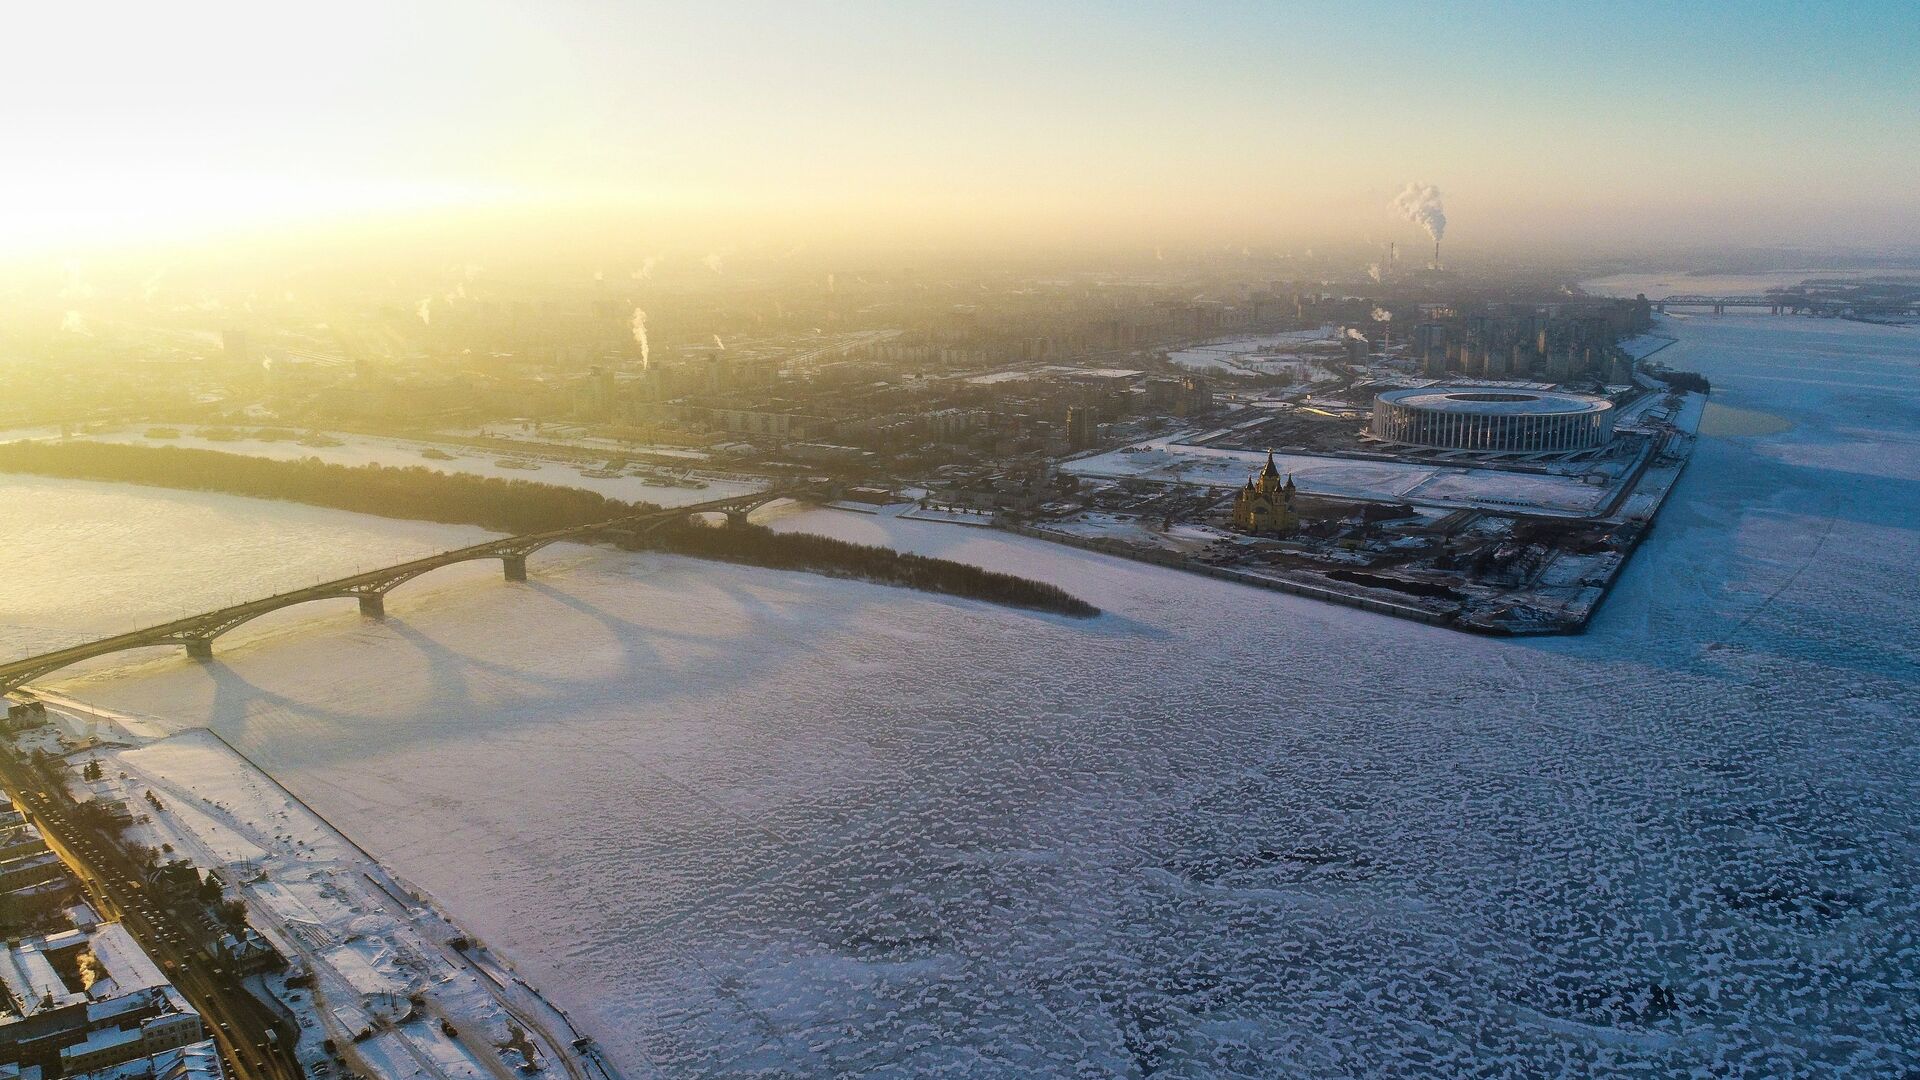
pixel 196 632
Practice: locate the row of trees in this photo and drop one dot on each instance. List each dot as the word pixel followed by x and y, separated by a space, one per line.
pixel 415 492
pixel 760 546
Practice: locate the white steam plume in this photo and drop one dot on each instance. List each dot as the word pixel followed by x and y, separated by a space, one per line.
pixel 640 337
pixel 1382 315
pixel 424 309
pixel 72 323
pixel 715 262
pixel 1373 271
pixel 150 288
pixel 1420 204
pixel 718 344
pixel 77 286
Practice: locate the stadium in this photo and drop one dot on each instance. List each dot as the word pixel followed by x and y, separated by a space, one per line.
pixel 1492 421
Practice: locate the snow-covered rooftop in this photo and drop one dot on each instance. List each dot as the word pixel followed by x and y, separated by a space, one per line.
pixel 1481 401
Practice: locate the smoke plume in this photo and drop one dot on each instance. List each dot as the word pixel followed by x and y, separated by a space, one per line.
pixel 1420 204
pixel 1382 315
pixel 715 262
pixel 640 337
pixel 1373 271
pixel 424 309
pixel 74 324
pixel 718 344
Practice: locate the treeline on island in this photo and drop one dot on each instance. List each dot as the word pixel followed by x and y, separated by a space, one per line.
pixel 512 506
pixel 1683 380
pixel 758 545
pixel 413 492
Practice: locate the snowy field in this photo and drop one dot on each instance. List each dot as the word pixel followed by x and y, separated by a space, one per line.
pixel 1263 354
pixel 741 822
pixel 367 948
pixel 1172 461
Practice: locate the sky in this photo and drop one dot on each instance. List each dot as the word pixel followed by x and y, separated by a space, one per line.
pixel 1750 123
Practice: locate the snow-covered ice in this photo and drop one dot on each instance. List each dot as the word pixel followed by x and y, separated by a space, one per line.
pixel 80 560
pixel 743 822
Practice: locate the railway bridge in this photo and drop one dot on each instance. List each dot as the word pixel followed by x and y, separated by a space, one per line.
pixel 196 632
pixel 1790 304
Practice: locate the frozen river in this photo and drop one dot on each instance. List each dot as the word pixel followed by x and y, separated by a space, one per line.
pixel 741 822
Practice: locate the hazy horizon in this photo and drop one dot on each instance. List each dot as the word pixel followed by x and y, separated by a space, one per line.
pixel 881 127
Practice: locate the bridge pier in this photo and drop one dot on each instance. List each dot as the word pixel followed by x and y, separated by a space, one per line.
pixel 200 648
pixel 515 566
pixel 737 517
pixel 373 605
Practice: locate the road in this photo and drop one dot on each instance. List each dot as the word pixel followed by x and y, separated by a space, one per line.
pixel 239 1021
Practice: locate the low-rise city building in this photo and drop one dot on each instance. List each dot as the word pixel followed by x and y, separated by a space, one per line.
pixel 85 999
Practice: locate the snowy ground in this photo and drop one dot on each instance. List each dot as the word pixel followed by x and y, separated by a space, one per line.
pixel 1642 346
pixel 1264 354
pixel 1171 460
pixel 745 822
pixel 369 947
